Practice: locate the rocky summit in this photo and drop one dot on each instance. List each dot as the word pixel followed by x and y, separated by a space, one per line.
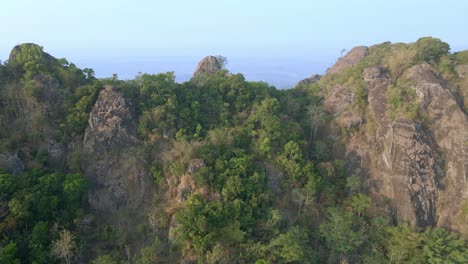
pixel 209 65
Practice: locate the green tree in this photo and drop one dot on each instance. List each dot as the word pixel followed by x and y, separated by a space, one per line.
pixel 404 245
pixel 105 259
pixel 431 49
pixel 316 116
pixel 8 254
pixel 290 247
pixel 7 185
pixel 343 232
pixel 442 246
pixel 360 203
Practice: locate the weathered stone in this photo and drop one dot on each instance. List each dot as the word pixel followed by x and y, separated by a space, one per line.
pixel 111 122
pixel 339 99
pixel 313 79
pixel 372 73
pixel 11 163
pixel 398 158
pixel 462 70
pixel 209 65
pixel 113 163
pixel 449 129
pixel 353 57
pixel 195 165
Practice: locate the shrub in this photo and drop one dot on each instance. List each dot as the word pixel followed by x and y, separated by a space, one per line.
pixel 402 100
pixel 430 49
pixel 400 60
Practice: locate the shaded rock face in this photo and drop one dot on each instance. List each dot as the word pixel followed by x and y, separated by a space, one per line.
pixel 209 65
pixel 313 79
pixel 11 163
pixel 354 56
pixel 462 70
pixel 114 163
pixel 423 170
pixel 449 131
pixel 409 167
pixel 340 101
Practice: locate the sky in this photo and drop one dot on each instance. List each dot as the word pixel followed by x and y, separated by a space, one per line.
pixel 261 38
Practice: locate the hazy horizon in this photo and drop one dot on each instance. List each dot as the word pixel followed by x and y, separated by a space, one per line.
pixel 282 72
pixel 264 40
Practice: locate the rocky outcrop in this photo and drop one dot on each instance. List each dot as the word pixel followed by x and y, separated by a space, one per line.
pixel 449 130
pixel 307 81
pixel 114 163
pixel 111 122
pixel 353 57
pixel 422 170
pixel 341 101
pixel 462 70
pixel 195 165
pixel 209 65
pixel 11 163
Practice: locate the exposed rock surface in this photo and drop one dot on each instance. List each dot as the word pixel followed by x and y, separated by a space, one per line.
pixel 209 65
pixel 423 170
pixel 340 101
pixel 11 163
pixel 354 56
pixel 312 79
pixel 449 130
pixel 401 166
pixel 111 122
pixel 114 164
pixel 462 70
pixel 195 165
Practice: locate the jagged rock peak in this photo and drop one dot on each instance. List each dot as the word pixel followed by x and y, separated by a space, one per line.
pixel 353 57
pixel 312 79
pixel 111 122
pixel 209 65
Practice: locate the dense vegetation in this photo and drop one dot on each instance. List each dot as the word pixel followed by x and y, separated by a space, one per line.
pixel 270 190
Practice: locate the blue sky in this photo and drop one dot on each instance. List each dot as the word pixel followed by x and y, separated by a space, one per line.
pixel 313 30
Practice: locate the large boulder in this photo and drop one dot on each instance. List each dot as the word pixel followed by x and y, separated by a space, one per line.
pixel 111 122
pixel 11 163
pixel 209 65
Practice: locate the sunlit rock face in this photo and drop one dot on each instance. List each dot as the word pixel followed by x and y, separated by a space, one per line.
pixel 417 169
pixel 209 65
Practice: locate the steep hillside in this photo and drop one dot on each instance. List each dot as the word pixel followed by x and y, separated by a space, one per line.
pixel 397 109
pixel 366 164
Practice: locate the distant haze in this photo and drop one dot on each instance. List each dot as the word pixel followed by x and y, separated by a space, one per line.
pixel 280 72
pixel 276 41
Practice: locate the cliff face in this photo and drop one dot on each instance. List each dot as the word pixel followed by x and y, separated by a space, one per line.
pixel 417 167
pixel 114 162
